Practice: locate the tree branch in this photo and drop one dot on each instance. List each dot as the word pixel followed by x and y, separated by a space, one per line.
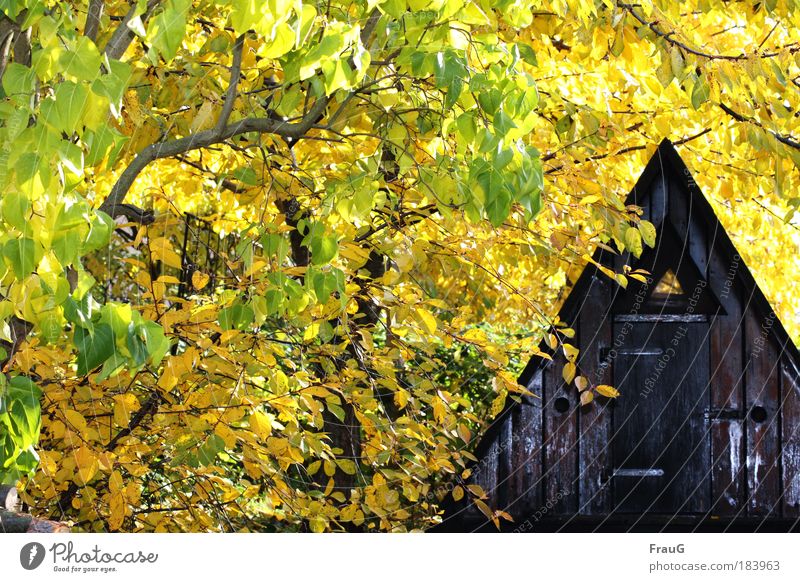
pixel 784 139
pixel 123 36
pixel 230 94
pixel 93 17
pixel 203 139
pixel 669 37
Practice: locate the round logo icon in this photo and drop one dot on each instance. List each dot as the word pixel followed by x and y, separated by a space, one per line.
pixel 31 555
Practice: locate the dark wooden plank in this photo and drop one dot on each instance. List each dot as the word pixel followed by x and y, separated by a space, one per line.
pixel 594 420
pixel 658 200
pixel 504 465
pixel 688 222
pixel 698 239
pixel 560 441
pixel 762 397
pixel 660 448
pixel 790 451
pixel 485 475
pixel 525 481
pixel 727 376
pixel 678 209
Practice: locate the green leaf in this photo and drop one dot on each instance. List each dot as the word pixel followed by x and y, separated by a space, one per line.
pixel 325 283
pixel 502 123
pixel 165 31
pixel 207 453
pixel 324 248
pixel 136 347
pixel 700 92
pixel 527 54
pixel 633 241
pixel 155 340
pixel 114 83
pixel 83 61
pixel 648 232
pixel 70 100
pixel 19 82
pixel 20 254
pixel 94 348
pixel 237 316
pixel 15 208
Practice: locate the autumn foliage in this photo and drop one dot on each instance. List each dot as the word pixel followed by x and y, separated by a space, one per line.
pixel 400 190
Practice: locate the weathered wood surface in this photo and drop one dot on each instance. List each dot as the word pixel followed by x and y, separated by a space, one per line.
pixel 560 440
pixel 762 398
pixel 790 391
pixel 14 522
pixel 727 376
pixel 594 463
pixel 660 452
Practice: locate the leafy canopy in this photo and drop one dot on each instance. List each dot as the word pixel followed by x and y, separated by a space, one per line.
pixel 392 189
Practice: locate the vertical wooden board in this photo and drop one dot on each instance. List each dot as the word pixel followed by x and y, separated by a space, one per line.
pixel 657 205
pixel 485 475
pixel 595 322
pixel 560 446
pixel 727 376
pixel 762 396
pixel 525 480
pixel 790 450
pixel 504 468
pixel 678 208
pixel 698 240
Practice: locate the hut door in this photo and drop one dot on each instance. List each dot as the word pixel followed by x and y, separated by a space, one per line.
pixel 660 448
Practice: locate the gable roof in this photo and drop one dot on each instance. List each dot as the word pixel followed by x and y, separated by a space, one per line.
pixel 664 165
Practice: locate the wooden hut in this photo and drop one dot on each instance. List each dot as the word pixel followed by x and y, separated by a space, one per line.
pixel 706 432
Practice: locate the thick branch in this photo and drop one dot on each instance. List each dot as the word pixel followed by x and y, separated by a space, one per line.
pixel 230 94
pixel 133 213
pixel 123 36
pixel 93 17
pixel 203 139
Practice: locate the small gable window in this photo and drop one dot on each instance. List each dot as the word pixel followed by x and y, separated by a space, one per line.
pixel 668 286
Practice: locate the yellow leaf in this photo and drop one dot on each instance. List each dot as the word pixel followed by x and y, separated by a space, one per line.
pixel 427 320
pixel 76 422
pixel 586 397
pixel 124 404
pixel 199 280
pixel 581 383
pixel 117 506
pixel 607 391
pixel 318 523
pixel 464 433
pixel 458 493
pixel 568 373
pixel 260 424
pixel 570 352
pixel 477 491
pixel 204 117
